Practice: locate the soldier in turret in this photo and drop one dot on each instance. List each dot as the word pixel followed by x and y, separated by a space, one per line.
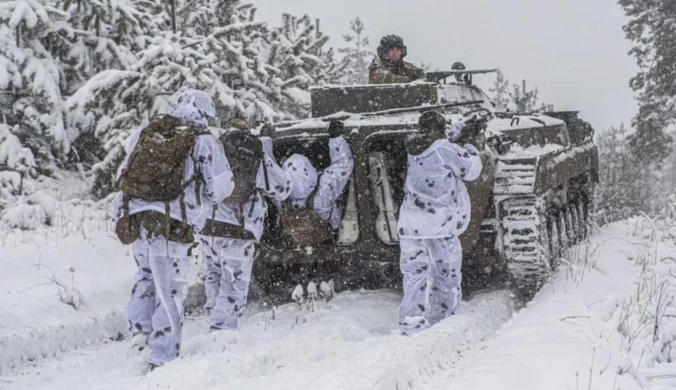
pixel 389 66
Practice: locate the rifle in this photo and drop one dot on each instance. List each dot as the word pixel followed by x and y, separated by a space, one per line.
pixel 474 126
pixel 462 76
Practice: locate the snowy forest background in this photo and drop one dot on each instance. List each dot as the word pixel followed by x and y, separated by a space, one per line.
pixel 77 76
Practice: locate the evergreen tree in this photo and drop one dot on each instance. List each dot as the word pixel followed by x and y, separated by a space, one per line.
pixel 252 71
pixel 650 141
pixel 33 137
pixel 31 75
pixel 300 58
pixel 109 33
pixel 619 193
pixel 356 57
pixel 227 63
pixel 500 91
pixel 523 100
pixel 239 46
pixel 651 29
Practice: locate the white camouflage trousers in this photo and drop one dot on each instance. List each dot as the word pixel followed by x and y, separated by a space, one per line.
pixel 432 276
pixel 156 305
pixel 229 262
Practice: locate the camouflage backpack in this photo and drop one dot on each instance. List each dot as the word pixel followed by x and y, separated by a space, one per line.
pixel 305 227
pixel 156 172
pixel 245 155
pixel 156 168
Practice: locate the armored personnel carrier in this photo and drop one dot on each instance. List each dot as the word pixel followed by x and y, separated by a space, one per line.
pixel 532 200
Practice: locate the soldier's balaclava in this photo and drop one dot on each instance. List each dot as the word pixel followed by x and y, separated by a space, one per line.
pixel 195 106
pixel 303 176
pixel 388 42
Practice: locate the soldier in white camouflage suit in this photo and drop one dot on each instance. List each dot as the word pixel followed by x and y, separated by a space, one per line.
pixel 229 256
pixel 155 311
pixel 435 211
pixel 332 180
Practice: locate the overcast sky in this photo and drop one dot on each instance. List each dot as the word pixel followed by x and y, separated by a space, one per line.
pixel 574 51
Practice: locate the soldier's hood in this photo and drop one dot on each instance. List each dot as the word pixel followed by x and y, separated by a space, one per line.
pixel 194 106
pixel 303 175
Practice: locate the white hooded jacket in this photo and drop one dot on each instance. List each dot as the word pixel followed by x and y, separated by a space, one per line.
pixel 436 203
pixel 332 181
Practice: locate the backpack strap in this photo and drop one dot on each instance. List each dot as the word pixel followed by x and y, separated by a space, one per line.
pixel 125 204
pixel 265 173
pixel 257 194
pixel 196 178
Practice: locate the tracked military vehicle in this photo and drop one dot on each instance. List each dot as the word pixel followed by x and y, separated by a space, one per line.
pixel 532 200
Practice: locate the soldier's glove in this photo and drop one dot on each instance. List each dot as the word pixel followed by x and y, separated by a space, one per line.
pixel 267 130
pixel 336 128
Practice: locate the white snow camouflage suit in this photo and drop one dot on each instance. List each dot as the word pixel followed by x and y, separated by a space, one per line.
pixel 332 181
pixel 229 260
pixel 435 211
pixel 156 305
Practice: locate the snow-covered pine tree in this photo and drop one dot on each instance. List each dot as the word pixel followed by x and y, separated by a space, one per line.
pixel 227 63
pixel 523 100
pixel 500 91
pixel 357 56
pixel 618 193
pixel 239 45
pixel 109 33
pixel 298 52
pixel 652 29
pixel 669 174
pixel 31 75
pixel 108 36
pixel 33 137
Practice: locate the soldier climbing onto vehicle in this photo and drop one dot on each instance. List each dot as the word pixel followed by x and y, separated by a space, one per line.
pixel 322 191
pixel 173 174
pixel 435 211
pixel 389 66
pixel 235 225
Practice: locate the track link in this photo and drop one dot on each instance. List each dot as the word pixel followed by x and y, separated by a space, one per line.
pixel 525 243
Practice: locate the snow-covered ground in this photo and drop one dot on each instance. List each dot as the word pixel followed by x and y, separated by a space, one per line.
pixel 606 321
pixel 62 287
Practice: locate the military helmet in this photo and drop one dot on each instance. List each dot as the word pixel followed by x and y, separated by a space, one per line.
pixel 458 66
pixel 388 42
